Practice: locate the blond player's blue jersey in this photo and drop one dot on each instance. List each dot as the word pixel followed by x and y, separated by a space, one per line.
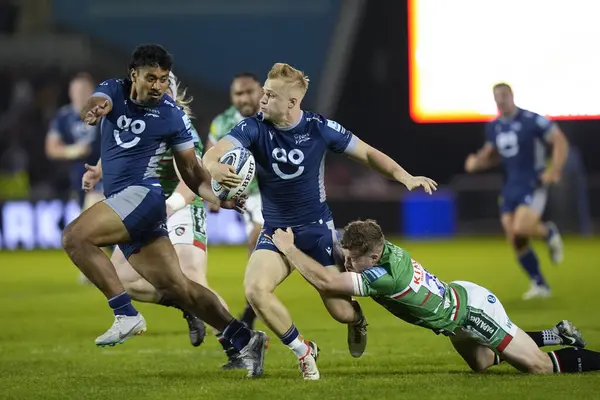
pixel 291 165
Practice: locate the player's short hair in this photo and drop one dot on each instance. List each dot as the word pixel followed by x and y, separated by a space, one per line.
pixel 290 75
pixel 248 75
pixel 502 85
pixel 84 76
pixel 362 236
pixel 151 55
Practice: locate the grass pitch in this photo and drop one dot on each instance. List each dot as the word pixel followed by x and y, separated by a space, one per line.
pixel 48 323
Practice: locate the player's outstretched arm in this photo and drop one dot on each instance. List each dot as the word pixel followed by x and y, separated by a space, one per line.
pixel 487 157
pixel 386 166
pixel 323 279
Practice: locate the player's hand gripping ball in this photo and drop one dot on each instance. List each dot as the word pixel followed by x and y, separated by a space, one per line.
pixel 243 165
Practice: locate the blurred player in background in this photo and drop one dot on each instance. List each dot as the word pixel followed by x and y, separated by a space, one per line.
pixel 289 146
pixel 186 224
pixel 139 123
pixel 469 314
pixel 245 93
pixel 69 138
pixel 519 139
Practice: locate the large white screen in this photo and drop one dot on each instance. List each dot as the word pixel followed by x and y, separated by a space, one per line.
pixel 548 51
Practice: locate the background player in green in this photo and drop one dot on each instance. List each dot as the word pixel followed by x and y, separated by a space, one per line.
pixel 186 224
pixel 245 92
pixel 469 314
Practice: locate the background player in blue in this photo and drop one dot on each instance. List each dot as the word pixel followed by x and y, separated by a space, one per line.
pixel 519 139
pixel 139 121
pixel 69 138
pixel 289 146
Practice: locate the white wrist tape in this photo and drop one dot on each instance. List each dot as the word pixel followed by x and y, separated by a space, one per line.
pixel 176 201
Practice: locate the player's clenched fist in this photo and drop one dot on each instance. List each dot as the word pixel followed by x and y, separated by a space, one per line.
pixel 225 175
pixel 93 116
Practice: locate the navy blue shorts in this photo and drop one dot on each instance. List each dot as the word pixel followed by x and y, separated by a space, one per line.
pixel 143 211
pixel 534 198
pixel 316 240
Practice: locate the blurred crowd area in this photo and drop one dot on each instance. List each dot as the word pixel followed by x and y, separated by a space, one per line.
pixel 31 99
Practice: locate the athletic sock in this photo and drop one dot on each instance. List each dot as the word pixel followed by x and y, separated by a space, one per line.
pixel 248 316
pixel 531 265
pixel 237 334
pixel 292 339
pixel 228 348
pixel 121 305
pixel 573 360
pixel 545 338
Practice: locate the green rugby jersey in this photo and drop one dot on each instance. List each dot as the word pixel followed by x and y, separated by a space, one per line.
pixel 167 176
pixel 411 293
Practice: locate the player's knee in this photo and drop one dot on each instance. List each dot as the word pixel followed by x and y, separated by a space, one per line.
pixel 520 243
pixel 72 238
pixel 520 228
pixel 256 291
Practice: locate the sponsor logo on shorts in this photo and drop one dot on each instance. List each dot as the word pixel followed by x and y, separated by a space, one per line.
pixel 491 299
pixel 481 325
pixel 180 230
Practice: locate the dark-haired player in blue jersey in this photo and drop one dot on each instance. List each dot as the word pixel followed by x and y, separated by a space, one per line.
pixel 520 139
pixel 289 146
pixel 69 138
pixel 139 122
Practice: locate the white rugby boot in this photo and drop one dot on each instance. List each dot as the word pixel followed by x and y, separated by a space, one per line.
pixel 308 363
pixel 122 329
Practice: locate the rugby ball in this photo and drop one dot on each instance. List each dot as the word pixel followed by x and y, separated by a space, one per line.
pixel 244 164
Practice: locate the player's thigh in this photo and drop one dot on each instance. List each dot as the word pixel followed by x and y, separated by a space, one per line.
pixel 99 224
pixel 157 262
pixel 265 271
pixel 525 219
pixel 477 356
pixel 523 354
pixel 192 260
pixel 125 271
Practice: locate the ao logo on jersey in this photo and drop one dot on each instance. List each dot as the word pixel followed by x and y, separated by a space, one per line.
pixel 128 125
pixel 507 144
pixel 294 157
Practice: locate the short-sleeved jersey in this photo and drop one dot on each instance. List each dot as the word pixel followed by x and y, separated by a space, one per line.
pixel 522 142
pixel 290 165
pixel 70 129
pixel 167 176
pixel 135 137
pixel 411 293
pixel 221 126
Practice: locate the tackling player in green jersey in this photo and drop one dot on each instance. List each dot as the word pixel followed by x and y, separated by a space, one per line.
pixel 245 94
pixel 469 314
pixel 186 224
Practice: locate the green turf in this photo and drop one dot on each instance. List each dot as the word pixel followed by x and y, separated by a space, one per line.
pixel 48 323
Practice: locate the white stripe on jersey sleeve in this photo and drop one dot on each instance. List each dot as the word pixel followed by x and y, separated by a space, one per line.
pixel 352 144
pixel 234 141
pixel 357 284
pixel 183 146
pixel 103 95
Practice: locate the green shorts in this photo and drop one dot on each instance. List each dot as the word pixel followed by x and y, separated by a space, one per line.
pixel 486 320
pixel 188 226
